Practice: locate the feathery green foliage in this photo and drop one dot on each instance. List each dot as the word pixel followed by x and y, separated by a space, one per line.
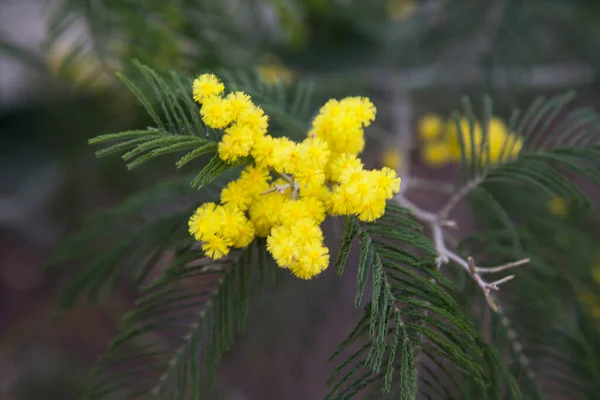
pixel 511 198
pixel 131 238
pixel 198 305
pixel 411 313
pixel 552 147
pixel 178 126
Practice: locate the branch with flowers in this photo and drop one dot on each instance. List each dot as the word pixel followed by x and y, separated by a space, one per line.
pixel 268 214
pixel 275 207
pixel 288 188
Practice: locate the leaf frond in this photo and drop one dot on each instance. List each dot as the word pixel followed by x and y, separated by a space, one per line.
pixel 409 313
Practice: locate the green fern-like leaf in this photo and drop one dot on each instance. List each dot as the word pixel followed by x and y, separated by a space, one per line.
pixel 410 315
pixel 510 198
pixel 127 241
pixel 552 148
pixel 178 126
pixel 183 322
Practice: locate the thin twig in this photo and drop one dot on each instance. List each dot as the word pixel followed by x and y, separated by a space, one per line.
pixel 457 197
pixel 494 285
pixel 500 268
pixel 437 222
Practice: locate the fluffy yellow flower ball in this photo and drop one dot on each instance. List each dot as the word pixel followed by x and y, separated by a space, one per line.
pixel 216 112
pixel 219 228
pixel 236 143
pixel 206 86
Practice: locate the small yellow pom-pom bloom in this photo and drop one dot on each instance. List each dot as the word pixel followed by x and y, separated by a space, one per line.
pixel 216 246
pixel 254 118
pixel 361 107
pixel 255 180
pixel 342 201
pixel 265 212
pixel 436 154
pixel 307 177
pixel 244 236
pixel 231 220
pixel 340 124
pixel 351 141
pixel 307 207
pixel 320 193
pixel 236 194
pixel 313 153
pixel 344 163
pixel 204 222
pixel 216 112
pixel 282 246
pixel 306 230
pixel 285 155
pixel 263 151
pixel 236 143
pixel 239 102
pixel 292 211
pixel 430 127
pixel 387 183
pixel 558 206
pixel 313 259
pixel 372 208
pixel 206 86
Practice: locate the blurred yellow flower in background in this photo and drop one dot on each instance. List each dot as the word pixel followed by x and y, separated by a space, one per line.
pixel 271 71
pixel 391 158
pixel 558 206
pixel 401 10
pixel 82 70
pixel 442 141
pixel 436 154
pixel 430 127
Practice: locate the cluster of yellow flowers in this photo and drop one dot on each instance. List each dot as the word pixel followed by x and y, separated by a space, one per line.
pixel 441 141
pixel 287 190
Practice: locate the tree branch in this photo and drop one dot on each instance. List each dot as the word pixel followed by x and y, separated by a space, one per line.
pixel 436 222
pixel 457 197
